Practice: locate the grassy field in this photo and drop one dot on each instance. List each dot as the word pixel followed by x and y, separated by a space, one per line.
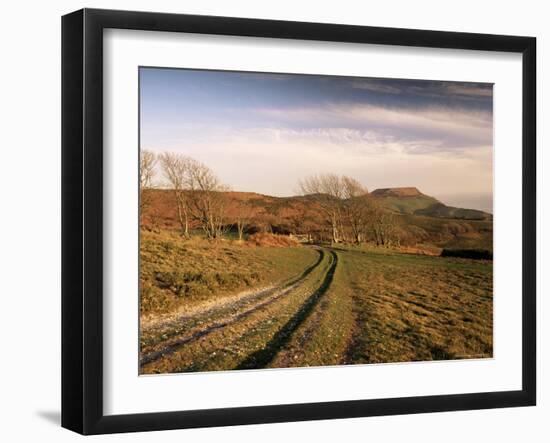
pixel 178 274
pixel 410 308
pixel 228 305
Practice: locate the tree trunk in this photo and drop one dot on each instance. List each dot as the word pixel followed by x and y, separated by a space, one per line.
pixel 240 229
pixel 186 228
pixel 334 229
pixel 182 217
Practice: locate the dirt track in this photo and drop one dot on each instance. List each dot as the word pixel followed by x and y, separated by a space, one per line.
pixel 242 332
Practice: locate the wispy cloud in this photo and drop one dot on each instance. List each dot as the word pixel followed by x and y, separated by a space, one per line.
pixel 375 87
pixel 442 128
pixel 470 91
pixel 271 161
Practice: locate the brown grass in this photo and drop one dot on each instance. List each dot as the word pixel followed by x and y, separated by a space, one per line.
pixel 175 272
pixel 272 240
pixel 420 308
pixel 378 306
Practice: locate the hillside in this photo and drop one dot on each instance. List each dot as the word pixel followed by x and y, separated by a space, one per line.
pixel 415 224
pixel 241 302
pixel 409 200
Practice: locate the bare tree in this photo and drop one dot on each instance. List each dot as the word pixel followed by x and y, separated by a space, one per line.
pixel 383 225
pixel 147 164
pixel 207 199
pixel 328 192
pixel 244 212
pixel 350 211
pixel 176 171
pixel 356 207
pixel 302 221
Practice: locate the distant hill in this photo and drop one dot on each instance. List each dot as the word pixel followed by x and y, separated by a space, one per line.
pixel 422 219
pixel 409 200
pixel 398 192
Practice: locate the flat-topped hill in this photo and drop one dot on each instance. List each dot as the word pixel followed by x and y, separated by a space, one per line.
pixel 410 200
pixel 410 191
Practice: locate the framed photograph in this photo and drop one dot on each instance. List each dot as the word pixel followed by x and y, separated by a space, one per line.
pixel 268 221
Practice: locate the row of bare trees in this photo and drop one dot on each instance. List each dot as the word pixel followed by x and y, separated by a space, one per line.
pixel 349 211
pixel 198 193
pixel 147 165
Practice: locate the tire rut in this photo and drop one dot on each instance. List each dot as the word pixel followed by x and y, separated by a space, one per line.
pixel 264 356
pixel 274 294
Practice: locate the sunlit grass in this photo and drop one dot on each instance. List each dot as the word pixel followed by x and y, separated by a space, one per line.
pixel 176 272
pixel 357 304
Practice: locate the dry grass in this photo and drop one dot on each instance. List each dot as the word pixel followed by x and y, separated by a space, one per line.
pixel 420 308
pixel 247 342
pixel 324 337
pixel 272 240
pixel 175 272
pixel 344 305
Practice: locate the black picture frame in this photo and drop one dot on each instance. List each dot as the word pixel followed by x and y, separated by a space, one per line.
pixel 82 220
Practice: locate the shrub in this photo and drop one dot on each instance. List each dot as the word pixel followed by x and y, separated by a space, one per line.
pixel 478 254
pixel 274 240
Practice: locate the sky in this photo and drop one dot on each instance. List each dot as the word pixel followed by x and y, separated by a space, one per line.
pixel 262 132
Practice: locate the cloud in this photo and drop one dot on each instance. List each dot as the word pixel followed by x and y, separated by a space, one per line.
pixel 440 127
pixel 263 133
pixel 438 90
pixel 272 160
pixel 374 86
pixel 468 90
pixel 465 93
pixel 437 149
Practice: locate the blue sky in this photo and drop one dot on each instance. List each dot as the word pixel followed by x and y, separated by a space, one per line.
pixel 264 132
